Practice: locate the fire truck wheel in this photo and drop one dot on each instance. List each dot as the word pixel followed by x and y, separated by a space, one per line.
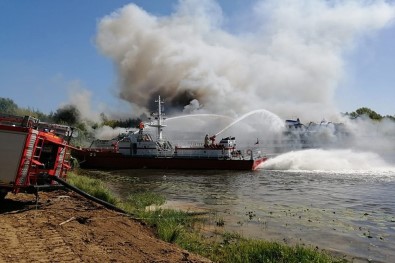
pixel 2 194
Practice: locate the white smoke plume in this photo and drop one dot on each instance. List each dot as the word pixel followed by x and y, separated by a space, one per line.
pixel 373 136
pixel 289 62
pixel 91 110
pixel 286 58
pixel 81 98
pixel 108 133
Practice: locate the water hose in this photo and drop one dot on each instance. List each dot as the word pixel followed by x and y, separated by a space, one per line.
pixel 86 195
pixel 104 203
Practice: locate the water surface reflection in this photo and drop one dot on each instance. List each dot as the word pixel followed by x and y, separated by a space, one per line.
pixel 348 212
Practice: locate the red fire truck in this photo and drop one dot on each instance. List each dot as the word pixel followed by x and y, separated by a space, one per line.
pixel 30 152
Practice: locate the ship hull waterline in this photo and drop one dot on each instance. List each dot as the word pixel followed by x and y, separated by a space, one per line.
pixel 116 161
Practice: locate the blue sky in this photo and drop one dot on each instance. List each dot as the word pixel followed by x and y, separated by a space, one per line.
pixel 46 45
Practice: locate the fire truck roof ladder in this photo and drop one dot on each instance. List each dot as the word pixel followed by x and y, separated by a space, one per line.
pixel 19 121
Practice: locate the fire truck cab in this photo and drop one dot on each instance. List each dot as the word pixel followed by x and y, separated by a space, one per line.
pixel 30 151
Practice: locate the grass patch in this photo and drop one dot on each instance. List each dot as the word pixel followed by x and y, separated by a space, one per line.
pixel 94 187
pixel 141 200
pixel 170 224
pixel 235 249
pixel 247 250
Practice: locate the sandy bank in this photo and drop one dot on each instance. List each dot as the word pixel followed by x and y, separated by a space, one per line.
pixel 65 227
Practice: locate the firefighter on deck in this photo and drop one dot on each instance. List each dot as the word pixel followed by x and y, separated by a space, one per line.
pixel 206 141
pixel 141 127
pixel 212 139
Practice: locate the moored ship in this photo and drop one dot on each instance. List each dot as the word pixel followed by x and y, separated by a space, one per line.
pixel 137 149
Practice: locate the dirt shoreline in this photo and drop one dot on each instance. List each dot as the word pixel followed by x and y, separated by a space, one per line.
pixel 65 227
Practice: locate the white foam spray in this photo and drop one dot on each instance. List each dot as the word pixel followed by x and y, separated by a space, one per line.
pixel 273 122
pixel 344 160
pixel 362 144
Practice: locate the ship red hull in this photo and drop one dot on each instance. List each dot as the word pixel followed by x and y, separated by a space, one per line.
pixel 116 161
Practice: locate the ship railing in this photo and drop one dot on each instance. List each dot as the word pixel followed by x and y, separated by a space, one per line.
pixel 251 152
pixel 166 154
pixel 202 155
pixel 190 145
pixel 101 149
pixel 200 145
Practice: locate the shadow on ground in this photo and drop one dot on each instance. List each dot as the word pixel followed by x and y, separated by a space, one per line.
pixel 9 205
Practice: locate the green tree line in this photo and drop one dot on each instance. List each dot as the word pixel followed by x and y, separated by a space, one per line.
pixel 364 111
pixel 67 115
pixel 70 115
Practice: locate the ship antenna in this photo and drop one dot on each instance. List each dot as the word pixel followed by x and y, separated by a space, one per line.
pixel 159 119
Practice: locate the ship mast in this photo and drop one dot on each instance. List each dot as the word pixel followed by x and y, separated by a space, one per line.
pixel 159 119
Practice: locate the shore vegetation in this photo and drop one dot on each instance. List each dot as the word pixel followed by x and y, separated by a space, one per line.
pixel 181 228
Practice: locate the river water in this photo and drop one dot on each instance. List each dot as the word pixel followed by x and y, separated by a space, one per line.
pixel 339 208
